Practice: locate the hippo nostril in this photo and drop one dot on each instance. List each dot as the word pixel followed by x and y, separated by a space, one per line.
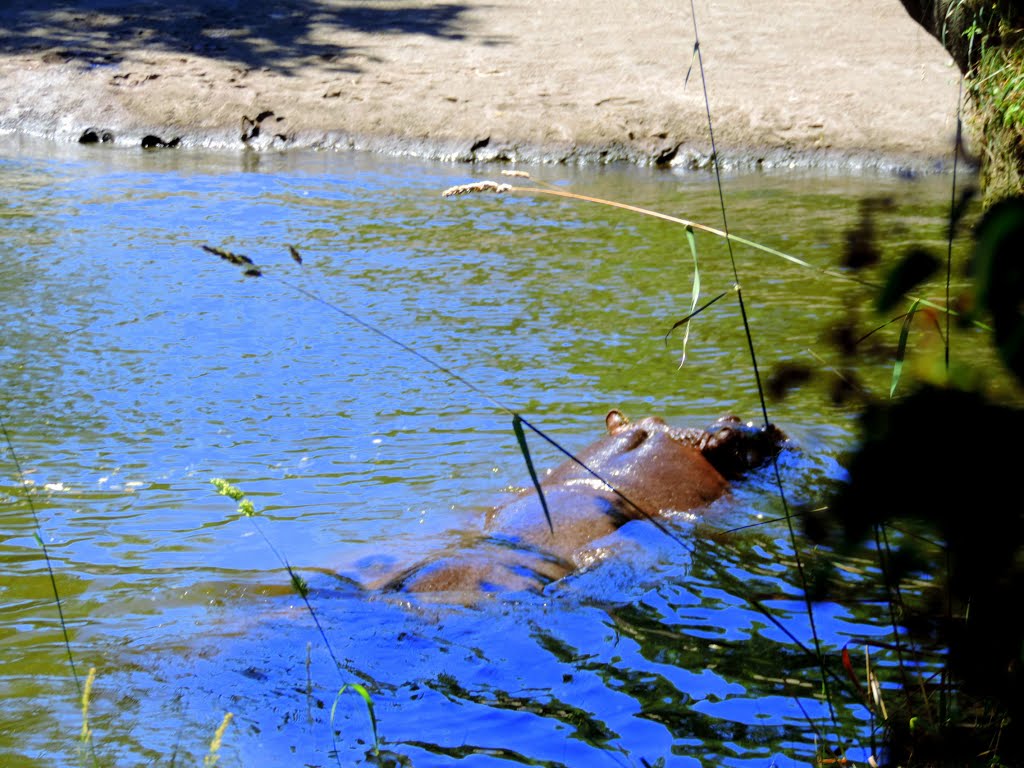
pixel 721 436
pixel 636 438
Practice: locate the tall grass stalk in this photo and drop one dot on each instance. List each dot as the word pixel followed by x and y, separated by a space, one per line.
pixel 955 212
pixel 753 361
pixel 38 535
pixel 781 492
pixel 86 744
pixel 248 510
pixel 757 375
pixel 953 215
pixel 309 682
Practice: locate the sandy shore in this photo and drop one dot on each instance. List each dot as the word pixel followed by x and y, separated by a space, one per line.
pixel 790 81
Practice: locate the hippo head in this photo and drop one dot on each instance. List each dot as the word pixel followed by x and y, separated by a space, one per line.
pixel 645 461
pixel 659 467
pixel 729 445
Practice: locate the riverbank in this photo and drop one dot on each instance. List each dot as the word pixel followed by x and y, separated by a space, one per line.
pixel 791 82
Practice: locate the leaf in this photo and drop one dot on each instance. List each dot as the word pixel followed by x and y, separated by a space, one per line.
pixel 785 377
pixel 694 291
pixel 999 278
pixel 693 58
pixel 848 666
pixel 361 690
pixel 912 270
pixel 369 708
pixel 298 583
pixel 517 426
pixel 901 348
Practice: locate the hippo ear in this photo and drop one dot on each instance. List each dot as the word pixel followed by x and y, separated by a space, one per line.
pixel 614 421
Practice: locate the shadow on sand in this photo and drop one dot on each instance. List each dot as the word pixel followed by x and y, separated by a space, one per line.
pixel 283 35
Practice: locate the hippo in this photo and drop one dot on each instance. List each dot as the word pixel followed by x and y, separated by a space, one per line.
pixel 640 469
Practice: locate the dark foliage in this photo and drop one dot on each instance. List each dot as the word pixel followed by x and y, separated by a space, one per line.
pixel 940 465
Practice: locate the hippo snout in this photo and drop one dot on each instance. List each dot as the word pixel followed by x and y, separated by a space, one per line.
pixel 734 447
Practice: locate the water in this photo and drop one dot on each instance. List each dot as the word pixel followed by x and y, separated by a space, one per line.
pixel 136 367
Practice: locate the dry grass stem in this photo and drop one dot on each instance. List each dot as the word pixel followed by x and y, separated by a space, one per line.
pixel 86 734
pixel 218 738
pixel 477 186
pixel 491 186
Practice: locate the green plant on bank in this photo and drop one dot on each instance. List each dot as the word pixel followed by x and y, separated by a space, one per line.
pixel 994 35
pixel 998 90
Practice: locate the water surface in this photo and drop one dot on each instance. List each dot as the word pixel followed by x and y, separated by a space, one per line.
pixel 136 367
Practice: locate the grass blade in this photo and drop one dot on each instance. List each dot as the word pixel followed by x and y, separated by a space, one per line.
pixel 517 426
pixel 694 291
pixel 85 745
pixel 365 695
pixel 901 348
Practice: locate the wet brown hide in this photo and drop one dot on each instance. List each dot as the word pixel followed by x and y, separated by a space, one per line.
pixel 654 470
